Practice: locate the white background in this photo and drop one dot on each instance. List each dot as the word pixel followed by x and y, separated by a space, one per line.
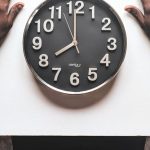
pixel 122 108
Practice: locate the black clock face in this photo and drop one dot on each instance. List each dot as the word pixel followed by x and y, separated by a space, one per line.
pixel 74 46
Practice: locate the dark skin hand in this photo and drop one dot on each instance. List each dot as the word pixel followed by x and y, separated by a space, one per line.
pixel 7 17
pixel 143 19
pixel 6 143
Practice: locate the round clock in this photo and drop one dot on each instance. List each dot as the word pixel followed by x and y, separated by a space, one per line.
pixel 74 47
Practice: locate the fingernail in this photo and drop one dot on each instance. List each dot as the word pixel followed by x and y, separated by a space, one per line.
pixel 128 9
pixel 134 12
pixel 20 6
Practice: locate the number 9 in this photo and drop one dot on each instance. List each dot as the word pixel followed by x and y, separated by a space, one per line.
pixel 37 43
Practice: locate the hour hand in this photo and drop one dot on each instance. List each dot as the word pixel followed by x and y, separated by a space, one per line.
pixel 64 49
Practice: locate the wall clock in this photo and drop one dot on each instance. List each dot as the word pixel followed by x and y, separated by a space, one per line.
pixel 74 47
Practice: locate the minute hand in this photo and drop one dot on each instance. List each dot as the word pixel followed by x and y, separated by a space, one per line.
pixel 75 25
pixel 64 49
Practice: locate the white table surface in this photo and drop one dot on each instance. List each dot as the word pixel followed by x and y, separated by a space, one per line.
pixel 123 108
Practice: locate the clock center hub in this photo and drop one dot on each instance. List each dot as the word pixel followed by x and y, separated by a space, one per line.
pixel 75 43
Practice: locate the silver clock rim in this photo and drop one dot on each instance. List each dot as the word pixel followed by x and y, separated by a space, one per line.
pixel 69 92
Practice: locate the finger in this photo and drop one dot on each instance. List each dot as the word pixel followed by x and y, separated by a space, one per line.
pixel 137 14
pixel 146 6
pixel 4 4
pixel 5 1
pixel 14 11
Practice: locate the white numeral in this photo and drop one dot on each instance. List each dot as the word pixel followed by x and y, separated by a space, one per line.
pixel 38 22
pixel 59 12
pixel 92 76
pixel 106 60
pixel 106 26
pixel 112 44
pixel 46 23
pixel 93 11
pixel 70 7
pixel 43 61
pixel 51 24
pixel 58 70
pixel 80 6
pixel 37 43
pixel 52 9
pixel 74 79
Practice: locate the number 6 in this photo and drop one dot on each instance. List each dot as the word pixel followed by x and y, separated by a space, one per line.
pixel 74 79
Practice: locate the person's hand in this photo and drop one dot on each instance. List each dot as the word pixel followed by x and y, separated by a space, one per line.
pixel 143 19
pixel 7 17
pixel 6 143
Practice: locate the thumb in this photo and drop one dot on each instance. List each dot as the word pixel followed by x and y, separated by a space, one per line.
pixel 136 13
pixel 14 11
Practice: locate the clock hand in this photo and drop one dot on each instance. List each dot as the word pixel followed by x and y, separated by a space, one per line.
pixel 65 49
pixel 75 25
pixel 75 29
pixel 68 25
pixel 71 34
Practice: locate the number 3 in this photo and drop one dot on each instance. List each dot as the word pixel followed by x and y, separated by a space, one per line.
pixel 112 44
